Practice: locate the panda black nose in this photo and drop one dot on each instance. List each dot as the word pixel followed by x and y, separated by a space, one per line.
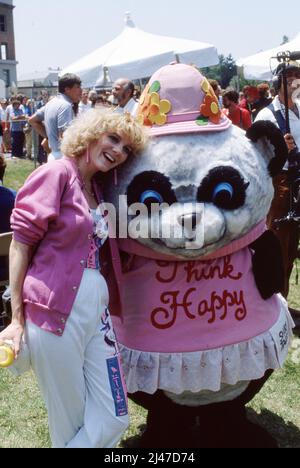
pixel 189 220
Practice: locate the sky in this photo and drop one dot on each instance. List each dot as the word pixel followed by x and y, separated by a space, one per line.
pixel 56 33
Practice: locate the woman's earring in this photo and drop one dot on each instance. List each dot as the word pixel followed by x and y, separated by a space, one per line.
pixel 116 176
pixel 88 156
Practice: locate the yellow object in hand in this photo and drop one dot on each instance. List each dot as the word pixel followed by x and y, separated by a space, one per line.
pixel 7 355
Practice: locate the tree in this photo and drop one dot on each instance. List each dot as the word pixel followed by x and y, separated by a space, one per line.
pixel 285 39
pixel 228 70
pixel 224 72
pixel 239 82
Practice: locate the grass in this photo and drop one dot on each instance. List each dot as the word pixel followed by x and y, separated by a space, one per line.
pixel 17 172
pixel 23 419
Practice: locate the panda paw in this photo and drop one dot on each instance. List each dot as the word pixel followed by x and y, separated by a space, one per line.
pixel 268 265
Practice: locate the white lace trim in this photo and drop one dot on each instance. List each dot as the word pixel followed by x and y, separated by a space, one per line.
pixel 209 370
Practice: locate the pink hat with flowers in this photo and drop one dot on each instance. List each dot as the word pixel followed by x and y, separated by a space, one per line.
pixel 178 99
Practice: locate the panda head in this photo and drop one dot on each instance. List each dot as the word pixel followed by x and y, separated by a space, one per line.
pixel 202 183
pixel 189 195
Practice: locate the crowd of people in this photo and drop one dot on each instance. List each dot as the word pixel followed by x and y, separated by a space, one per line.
pixel 243 107
pixel 19 114
pixel 16 123
pixel 14 115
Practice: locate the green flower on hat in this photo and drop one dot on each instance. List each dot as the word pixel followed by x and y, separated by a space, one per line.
pixel 202 121
pixel 155 87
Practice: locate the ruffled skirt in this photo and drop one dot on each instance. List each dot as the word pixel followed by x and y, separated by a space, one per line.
pixel 209 370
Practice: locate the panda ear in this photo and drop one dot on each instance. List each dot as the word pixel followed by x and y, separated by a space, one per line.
pixel 264 129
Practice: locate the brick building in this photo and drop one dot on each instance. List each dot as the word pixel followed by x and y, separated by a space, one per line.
pixel 8 64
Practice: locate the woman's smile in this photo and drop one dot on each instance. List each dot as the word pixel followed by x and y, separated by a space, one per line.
pixel 109 158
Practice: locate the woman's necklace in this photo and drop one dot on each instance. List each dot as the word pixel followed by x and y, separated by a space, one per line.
pixel 91 194
pixel 85 188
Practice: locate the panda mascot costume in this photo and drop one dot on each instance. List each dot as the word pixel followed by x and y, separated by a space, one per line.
pixel 202 325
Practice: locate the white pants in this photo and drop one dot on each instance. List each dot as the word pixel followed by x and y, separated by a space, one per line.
pixel 79 373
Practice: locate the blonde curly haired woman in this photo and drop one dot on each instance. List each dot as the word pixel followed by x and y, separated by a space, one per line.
pixel 59 296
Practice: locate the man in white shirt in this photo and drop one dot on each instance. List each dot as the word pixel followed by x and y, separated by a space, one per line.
pixel 293 74
pixel 54 118
pixel 287 232
pixel 84 104
pixel 123 91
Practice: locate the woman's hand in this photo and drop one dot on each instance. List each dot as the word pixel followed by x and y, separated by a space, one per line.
pixel 14 332
pixel 19 259
pixel 45 145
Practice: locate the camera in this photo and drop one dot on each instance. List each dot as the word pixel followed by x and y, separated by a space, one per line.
pixel 293 215
pixel 294 180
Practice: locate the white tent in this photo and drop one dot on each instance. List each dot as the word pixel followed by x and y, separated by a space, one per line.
pixel 136 54
pixel 260 66
pixel 2 89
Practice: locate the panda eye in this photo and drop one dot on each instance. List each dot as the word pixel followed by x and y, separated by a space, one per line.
pixel 225 187
pixel 150 187
pixel 223 194
pixel 151 196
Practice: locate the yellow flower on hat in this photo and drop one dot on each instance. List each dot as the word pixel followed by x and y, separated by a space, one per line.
pixel 152 109
pixel 210 107
pixel 205 86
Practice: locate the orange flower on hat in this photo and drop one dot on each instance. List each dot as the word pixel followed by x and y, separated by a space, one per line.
pixel 144 103
pixel 152 109
pixel 210 108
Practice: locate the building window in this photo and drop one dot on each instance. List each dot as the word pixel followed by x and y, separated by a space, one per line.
pixel 6 77
pixel 3 55
pixel 2 23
